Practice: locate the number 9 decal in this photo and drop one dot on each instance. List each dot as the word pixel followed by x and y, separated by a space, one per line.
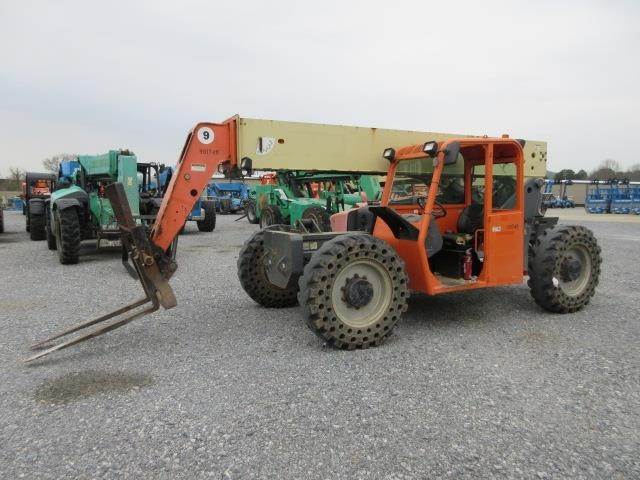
pixel 205 135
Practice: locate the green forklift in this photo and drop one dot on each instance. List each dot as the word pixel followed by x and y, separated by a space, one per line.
pixel 79 210
pixel 308 198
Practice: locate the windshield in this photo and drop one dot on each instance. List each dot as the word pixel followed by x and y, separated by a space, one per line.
pixel 412 180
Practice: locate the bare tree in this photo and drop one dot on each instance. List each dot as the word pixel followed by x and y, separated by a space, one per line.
pixel 634 172
pixel 16 174
pixel 603 173
pixel 608 169
pixel 53 163
pixel 609 163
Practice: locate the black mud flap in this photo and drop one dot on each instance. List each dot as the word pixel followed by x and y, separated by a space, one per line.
pixel 287 252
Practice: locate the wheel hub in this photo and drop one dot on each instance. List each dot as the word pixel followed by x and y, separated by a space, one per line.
pixel 574 271
pixel 357 291
pixel 571 269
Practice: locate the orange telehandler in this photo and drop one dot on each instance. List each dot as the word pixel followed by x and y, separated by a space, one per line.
pixel 456 214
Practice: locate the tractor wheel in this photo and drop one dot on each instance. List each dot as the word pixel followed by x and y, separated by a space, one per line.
pixel 564 268
pixel 250 211
pixel 253 276
pixel 51 238
pixel 270 216
pixel 353 291
pixel 36 226
pixel 67 227
pixel 320 216
pixel 209 222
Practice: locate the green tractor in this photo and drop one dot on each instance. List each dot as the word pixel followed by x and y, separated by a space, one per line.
pixel 80 211
pixel 296 197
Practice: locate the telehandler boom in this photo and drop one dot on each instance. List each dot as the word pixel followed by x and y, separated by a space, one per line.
pixel 238 146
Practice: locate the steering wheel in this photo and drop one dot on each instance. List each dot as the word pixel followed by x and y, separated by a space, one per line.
pixel 438 209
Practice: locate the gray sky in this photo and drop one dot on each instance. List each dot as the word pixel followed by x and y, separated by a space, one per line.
pixel 87 76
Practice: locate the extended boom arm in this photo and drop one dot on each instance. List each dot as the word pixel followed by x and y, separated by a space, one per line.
pixel 207 146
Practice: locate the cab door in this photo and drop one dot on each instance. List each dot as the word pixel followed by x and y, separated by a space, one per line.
pixel 504 217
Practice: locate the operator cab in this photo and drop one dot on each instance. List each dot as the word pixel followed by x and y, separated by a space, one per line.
pixel 38 185
pixel 446 205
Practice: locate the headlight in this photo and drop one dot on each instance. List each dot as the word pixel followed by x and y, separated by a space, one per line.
pixel 430 148
pixel 389 154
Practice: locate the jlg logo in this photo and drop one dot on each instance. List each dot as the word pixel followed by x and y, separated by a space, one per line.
pixel 509 228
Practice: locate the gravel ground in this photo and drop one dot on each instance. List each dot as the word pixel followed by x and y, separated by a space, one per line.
pixel 476 385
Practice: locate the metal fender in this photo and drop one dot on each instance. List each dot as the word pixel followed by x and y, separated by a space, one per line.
pixel 64 203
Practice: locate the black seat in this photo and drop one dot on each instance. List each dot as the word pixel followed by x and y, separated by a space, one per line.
pixel 433 242
pixel 471 219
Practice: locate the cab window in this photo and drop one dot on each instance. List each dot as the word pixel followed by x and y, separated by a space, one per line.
pixel 504 186
pixel 412 180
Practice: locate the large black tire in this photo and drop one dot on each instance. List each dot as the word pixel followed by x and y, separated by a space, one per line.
pixel 564 268
pixel 1 220
pixel 250 211
pixel 209 222
pixel 359 311
pixel 67 225
pixel 37 226
pixel 270 216
pixel 51 238
pixel 320 216
pixel 253 276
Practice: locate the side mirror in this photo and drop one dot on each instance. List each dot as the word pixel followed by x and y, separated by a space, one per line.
pixel 451 153
pixel 246 167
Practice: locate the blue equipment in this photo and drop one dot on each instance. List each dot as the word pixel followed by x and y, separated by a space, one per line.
pixel 598 200
pixel 16 203
pixel 229 197
pixel 621 197
pixel 549 200
pixel 635 200
pixel 67 170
